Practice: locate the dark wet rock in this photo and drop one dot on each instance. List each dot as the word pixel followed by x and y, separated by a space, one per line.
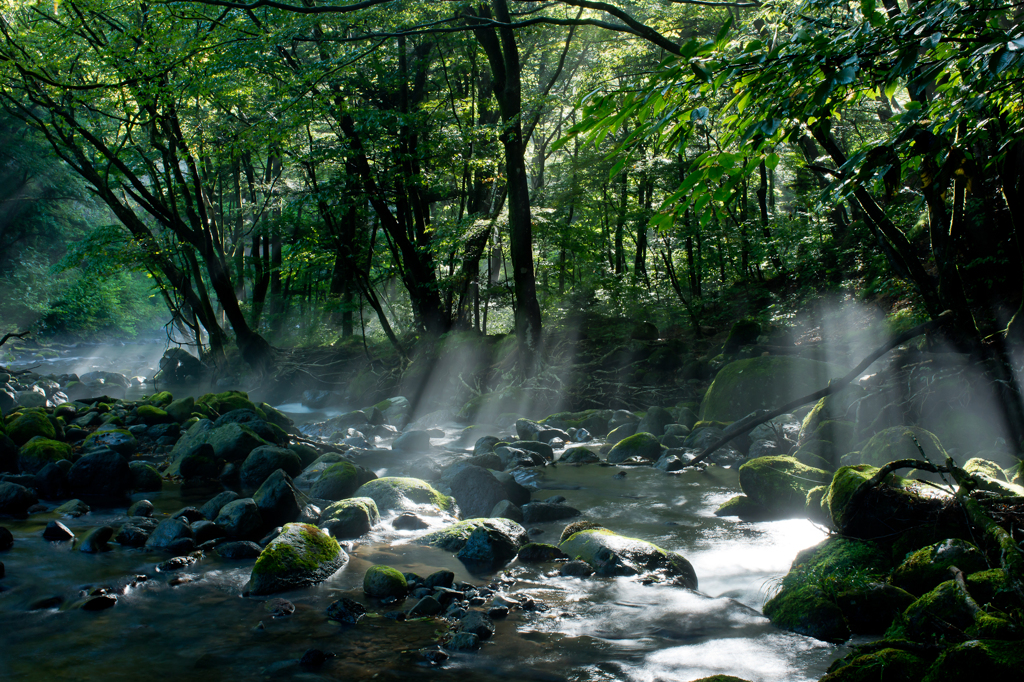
pixel 278 500
pixel 230 442
pixel 576 569
pixel 172 534
pixel 441 578
pixel 870 608
pixel 204 531
pixel 537 447
pixel 384 582
pixel 6 539
pixel 51 482
pixel 15 499
pixel 487 461
pixel 141 508
pixel 103 473
pixel 463 641
pixel 489 542
pixel 45 603
pixel 145 478
pixel 427 606
pixel 200 462
pixel 807 610
pixel 73 508
pixel 703 436
pixel 302 555
pixel 100 602
pixel 179 562
pixel 610 554
pixel 238 550
pixel 340 480
pixel 516 457
pixel 346 610
pixel 478 623
pixel 240 519
pixel 188 515
pixel 265 460
pixel 56 531
pixel 506 510
pixel 212 508
pixel 135 533
pixel 536 552
pixel 476 491
pixel 670 462
pixel 8 454
pixel 120 441
pixel 181 409
pixel 579 456
pixel 349 518
pixel 393 493
pixel 655 421
pixel 541 512
pixel 780 484
pixel 412 442
pixel 95 541
pixel 621 433
pixel 978 659
pixel 39 452
pixel 643 445
pixel 484 445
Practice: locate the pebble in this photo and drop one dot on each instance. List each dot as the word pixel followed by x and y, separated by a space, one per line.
pixel 279 608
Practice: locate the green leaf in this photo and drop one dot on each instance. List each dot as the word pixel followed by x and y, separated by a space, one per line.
pixel 846 75
pixel 699 114
pixel 700 71
pixel 771 161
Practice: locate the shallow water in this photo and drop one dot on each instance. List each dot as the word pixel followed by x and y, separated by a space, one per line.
pixel 594 629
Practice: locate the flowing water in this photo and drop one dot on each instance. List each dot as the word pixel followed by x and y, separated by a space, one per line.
pixel 594 629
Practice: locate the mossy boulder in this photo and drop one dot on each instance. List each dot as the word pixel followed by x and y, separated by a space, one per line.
pixel 181 409
pixel 898 442
pixel 384 582
pixel 978 660
pixel 302 555
pixel 883 665
pixel 225 402
pixel 927 567
pixel 161 399
pixel 611 554
pixel 341 480
pixel 579 455
pixel 394 493
pixel 977 465
pixel 883 510
pixel 150 414
pixel 16 499
pixel 942 612
pixel 841 406
pixel 642 445
pixel 480 542
pixel 763 382
pixel 230 442
pixel 144 477
pixel 350 518
pixel 992 587
pixel 808 610
pixel 103 473
pixel 743 507
pixel 28 424
pixel 780 484
pixel 120 441
pixel 40 451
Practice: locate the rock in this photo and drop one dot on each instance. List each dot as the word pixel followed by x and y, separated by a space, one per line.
pixel 883 510
pixel 119 440
pixel 383 582
pixel 144 477
pixel 579 456
pixel 278 500
pixel 15 499
pixel 427 606
pixel 99 602
pixel 535 552
pixel 408 521
pixel 476 491
pixel 302 555
pixel 541 512
pixel 516 457
pixel 655 421
pixel 643 445
pixel 506 510
pixel 870 608
pixel 212 508
pixel 201 462
pixel 56 531
pixel 172 534
pixel 350 518
pixel 895 443
pixel 8 453
pixel 620 433
pixel 340 480
pixel 230 443
pixel 808 610
pixel 29 424
pixel 780 484
pixel 6 539
pixel 576 569
pixel 490 542
pixel 670 461
pixel 51 482
pixel 978 659
pixel 38 452
pixel 240 519
pixel 225 402
pixel 135 533
pixel 180 410
pixel 441 578
pixel 463 641
pixel 412 442
pixel 484 444
pixel 150 415
pixel 763 382
pixel 923 570
pixel 743 507
pixel 103 473
pixel 73 508
pixel 477 623
pixel 32 397
pixel 265 460
pixel 95 541
pixel 238 550
pixel 610 554
pixel 346 610
pixel 393 493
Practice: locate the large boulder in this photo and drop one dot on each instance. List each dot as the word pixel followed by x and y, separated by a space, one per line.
pixel 880 510
pixel 898 442
pixel 642 445
pixel 923 570
pixel 611 554
pixel 763 382
pixel 240 519
pixel 15 499
pixel 38 452
pixel 481 542
pixel 29 424
pixel 350 518
pixel 340 480
pixel 655 421
pixel 384 582
pixel 393 493
pixel 120 441
pixel 978 659
pixel 102 473
pixel 231 442
pixel 302 555
pixel 225 402
pixel 477 491
pixel 780 484
pixel 278 500
pixel 267 459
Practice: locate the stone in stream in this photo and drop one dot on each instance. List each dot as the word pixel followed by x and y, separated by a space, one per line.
pixel 536 552
pixel 39 452
pixel 145 478
pixel 174 535
pixel 642 445
pixel 73 508
pixel 476 491
pixel 478 623
pixel 346 610
pixel 340 480
pixel 427 606
pixel 393 493
pixel 350 518
pixel 29 424
pixel 655 421
pixel 506 510
pixel 95 541
pixel 540 512
pixel 408 521
pixel 201 462
pixel 102 473
pixel 240 519
pixel 52 482
pixel 56 531
pixel 483 542
pixel 120 441
pixel 463 641
pixel 238 550
pixel 15 499
pixel 537 447
pixel 780 484
pixel 302 555
pixel 384 582
pixel 6 539
pixel 8 455
pixel 205 531
pixel 141 508
pixel 611 554
pixel 212 508
pixel 622 432
pixel 412 442
pixel 441 578
pixel 180 410
pixel 135 532
pixel 278 500
pixel 230 442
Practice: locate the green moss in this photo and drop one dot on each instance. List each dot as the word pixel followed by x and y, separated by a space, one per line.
pixel 780 483
pixel 813 506
pixel 898 442
pixel 381 582
pixel 227 401
pixel 926 568
pixel 763 382
pixel 743 507
pixel 300 549
pixel 884 665
pixel 161 399
pixel 978 660
pixel 454 537
pixel 28 424
pixel 992 587
pixel 644 445
pixel 806 609
pixel 38 452
pixel 153 415
pixel 984 466
pixel 96 438
pixel 939 613
pixel 743 333
pixel 337 481
pixel 611 554
pixel 393 493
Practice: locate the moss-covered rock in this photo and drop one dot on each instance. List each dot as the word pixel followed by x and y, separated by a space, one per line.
pixel 579 455
pixel 340 480
pixel 744 332
pixel 780 484
pixel 300 556
pixel 977 465
pixel 898 442
pixel 942 612
pixel 383 582
pixel 642 445
pixel 490 542
pixel 763 382
pixel 992 587
pixel 926 568
pixel 743 507
pixel 150 414
pixel 538 552
pixel 230 442
pixel 611 554
pixel 978 660
pixel 181 409
pixel 144 477
pixel 40 451
pixel 225 402
pixel 394 493
pixel 882 665
pixel 350 518
pixel 883 510
pixel 840 406
pixel 161 399
pixel 28 424
pixel 120 441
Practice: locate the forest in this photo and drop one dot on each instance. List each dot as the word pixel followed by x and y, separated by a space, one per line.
pixel 556 222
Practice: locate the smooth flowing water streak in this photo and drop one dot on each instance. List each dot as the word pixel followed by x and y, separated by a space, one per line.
pixel 594 629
